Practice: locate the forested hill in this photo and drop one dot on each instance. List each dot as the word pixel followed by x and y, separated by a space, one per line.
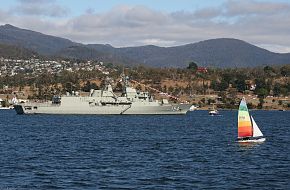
pixel 36 41
pixel 10 51
pixel 223 52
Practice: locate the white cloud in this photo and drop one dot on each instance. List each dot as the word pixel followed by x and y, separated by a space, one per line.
pixel 3 17
pixel 253 7
pixel 275 48
pixel 39 8
pixel 157 42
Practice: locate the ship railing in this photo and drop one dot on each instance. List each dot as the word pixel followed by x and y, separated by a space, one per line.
pixel 42 104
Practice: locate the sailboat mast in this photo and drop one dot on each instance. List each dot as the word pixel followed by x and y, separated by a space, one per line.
pixel 251 119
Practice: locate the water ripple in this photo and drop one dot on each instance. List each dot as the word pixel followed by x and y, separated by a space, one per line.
pixel 142 152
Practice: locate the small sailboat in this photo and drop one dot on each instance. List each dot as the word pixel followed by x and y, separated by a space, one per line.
pixel 213 111
pixel 248 130
pixel 193 107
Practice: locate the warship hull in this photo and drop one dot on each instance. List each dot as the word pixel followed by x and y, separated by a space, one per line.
pixel 78 105
pixel 101 110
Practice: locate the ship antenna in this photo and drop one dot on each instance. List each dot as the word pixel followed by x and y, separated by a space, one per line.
pixel 124 79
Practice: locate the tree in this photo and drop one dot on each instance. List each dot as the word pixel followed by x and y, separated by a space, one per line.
pixel 269 70
pixel 240 83
pixel 94 86
pixel 261 102
pixel 214 85
pixel 222 86
pixel 285 70
pixel 87 87
pixel 277 89
pixel 262 88
pixel 262 92
pixel 280 90
pixel 192 66
pixel 228 77
pixel 284 91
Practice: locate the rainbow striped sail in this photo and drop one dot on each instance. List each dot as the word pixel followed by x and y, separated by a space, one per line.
pixel 245 128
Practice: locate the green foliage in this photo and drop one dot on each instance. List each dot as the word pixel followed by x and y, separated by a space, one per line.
pixel 280 89
pixel 88 86
pixel 277 89
pixel 210 101
pixel 222 86
pixel 3 103
pixel 228 77
pixel 285 70
pixel 240 83
pixel 262 87
pixel 94 86
pixel 250 105
pixel 11 51
pixel 261 102
pixel 269 70
pixel 192 66
pixel 262 92
pixel 109 65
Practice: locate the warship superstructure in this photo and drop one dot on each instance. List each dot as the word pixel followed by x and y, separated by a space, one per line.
pixel 104 102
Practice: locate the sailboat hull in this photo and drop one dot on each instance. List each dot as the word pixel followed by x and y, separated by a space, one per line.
pixel 251 140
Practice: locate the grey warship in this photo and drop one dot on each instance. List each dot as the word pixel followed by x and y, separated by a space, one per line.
pixel 104 102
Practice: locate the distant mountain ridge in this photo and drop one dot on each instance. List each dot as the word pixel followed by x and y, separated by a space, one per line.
pixel 223 52
pixel 41 43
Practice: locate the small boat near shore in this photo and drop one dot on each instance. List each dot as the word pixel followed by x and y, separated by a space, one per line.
pixel 7 108
pixel 3 106
pixel 213 111
pixel 193 107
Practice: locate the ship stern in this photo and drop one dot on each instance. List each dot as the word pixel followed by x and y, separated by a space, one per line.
pixel 19 109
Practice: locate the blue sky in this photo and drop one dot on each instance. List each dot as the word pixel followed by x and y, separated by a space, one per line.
pixel 78 7
pixel 162 5
pixel 265 23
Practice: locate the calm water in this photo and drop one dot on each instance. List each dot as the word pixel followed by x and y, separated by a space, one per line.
pixel 195 151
